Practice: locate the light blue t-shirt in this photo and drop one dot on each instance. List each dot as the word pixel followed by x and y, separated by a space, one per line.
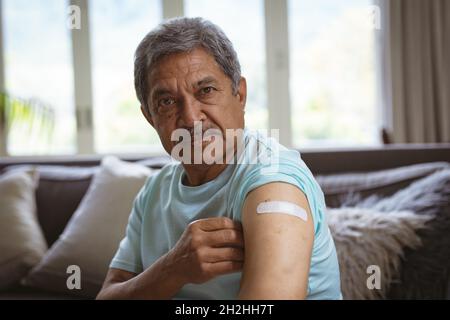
pixel 165 206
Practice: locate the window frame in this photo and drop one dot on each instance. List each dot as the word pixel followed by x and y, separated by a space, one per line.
pixel 277 72
pixel 3 132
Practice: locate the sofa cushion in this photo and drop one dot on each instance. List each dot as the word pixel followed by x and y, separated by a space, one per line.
pixel 425 271
pixel 25 293
pixel 59 193
pixel 93 233
pixel 22 244
pixel 348 189
pixel 366 239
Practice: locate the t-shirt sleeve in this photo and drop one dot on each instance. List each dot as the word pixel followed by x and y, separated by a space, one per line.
pixel 128 256
pixel 289 168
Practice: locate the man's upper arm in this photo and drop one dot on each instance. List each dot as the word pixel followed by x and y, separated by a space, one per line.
pixel 278 246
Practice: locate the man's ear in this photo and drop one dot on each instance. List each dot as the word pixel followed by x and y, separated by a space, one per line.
pixel 147 115
pixel 242 92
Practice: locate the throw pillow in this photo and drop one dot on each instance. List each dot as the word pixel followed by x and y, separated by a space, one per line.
pixel 22 243
pixel 92 235
pixel 426 270
pixel 366 239
pixel 349 188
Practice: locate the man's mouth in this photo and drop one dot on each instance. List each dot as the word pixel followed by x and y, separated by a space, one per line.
pixel 204 139
pixel 198 136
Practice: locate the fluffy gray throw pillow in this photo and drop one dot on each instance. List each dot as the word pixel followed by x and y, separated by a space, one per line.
pixel 426 270
pixel 365 238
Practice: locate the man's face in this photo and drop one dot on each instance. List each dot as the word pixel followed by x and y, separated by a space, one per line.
pixel 185 88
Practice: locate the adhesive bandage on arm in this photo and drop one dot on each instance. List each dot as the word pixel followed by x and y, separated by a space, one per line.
pixel 282 207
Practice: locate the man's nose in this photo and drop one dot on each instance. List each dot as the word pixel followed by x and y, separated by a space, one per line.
pixel 191 111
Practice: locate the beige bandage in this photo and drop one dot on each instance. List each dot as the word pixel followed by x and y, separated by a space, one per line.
pixel 282 207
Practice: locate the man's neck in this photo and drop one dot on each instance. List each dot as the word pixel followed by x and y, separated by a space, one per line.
pixel 199 174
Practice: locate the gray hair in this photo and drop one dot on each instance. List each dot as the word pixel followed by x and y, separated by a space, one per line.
pixel 183 35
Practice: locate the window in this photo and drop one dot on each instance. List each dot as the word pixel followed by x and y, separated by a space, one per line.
pixel 332 53
pixel 38 68
pixel 117 27
pixel 332 78
pixel 245 28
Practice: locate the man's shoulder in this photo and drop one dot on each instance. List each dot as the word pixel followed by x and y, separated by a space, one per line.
pixel 266 153
pixel 161 176
pixel 154 185
pixel 169 168
pixel 266 161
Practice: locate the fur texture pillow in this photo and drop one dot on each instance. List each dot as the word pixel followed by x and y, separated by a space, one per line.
pixel 426 270
pixel 364 238
pixel 384 183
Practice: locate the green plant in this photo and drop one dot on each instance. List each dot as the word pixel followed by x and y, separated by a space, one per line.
pixel 29 116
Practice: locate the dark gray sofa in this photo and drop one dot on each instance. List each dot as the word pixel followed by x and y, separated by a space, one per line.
pixel 64 181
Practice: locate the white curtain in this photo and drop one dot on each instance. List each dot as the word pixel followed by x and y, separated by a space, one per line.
pixel 415 69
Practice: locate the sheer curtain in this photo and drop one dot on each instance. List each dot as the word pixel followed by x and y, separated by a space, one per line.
pixel 415 69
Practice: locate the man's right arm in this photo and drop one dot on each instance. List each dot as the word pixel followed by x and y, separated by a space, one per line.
pixel 207 248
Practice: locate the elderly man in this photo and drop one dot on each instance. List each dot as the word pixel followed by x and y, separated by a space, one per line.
pixel 186 232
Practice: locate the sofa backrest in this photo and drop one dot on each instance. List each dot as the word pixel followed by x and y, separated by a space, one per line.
pixel 326 161
pixel 64 181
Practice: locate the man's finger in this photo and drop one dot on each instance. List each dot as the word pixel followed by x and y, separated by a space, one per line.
pixel 225 238
pixel 212 224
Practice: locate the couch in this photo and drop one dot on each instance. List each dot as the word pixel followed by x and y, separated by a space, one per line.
pixel 64 181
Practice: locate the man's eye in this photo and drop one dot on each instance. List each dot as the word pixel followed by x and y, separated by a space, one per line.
pixel 166 102
pixel 207 90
